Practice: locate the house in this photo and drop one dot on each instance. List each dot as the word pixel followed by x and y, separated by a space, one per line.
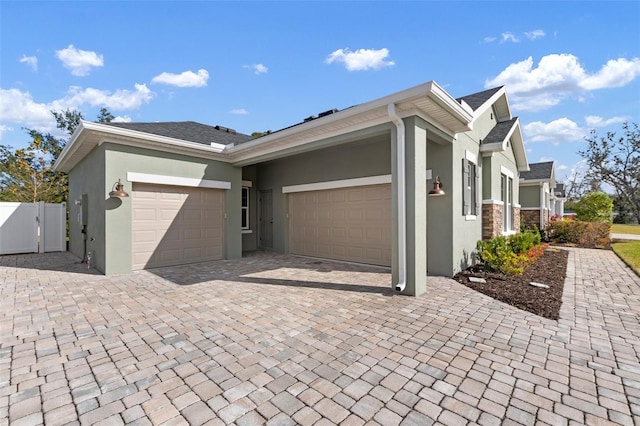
pixel 541 197
pixel 348 185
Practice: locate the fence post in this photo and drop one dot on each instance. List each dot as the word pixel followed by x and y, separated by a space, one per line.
pixel 41 225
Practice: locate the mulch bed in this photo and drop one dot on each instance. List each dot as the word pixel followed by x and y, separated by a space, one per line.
pixel 549 269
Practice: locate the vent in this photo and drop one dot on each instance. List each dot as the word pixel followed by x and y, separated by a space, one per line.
pixel 310 118
pixel 225 129
pixel 329 112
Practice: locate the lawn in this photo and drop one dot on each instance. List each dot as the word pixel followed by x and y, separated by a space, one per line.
pixel 629 252
pixel 618 228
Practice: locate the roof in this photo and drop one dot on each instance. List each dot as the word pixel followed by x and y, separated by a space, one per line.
pixel 188 131
pixel 500 131
pixel 559 190
pixel 538 171
pixel 476 100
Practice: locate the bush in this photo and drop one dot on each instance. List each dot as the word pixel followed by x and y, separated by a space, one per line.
pixel 509 255
pixel 586 234
pixel 594 207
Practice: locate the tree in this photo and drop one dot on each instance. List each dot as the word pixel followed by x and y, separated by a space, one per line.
pixel 594 207
pixel 616 161
pixel 27 175
pixel 105 116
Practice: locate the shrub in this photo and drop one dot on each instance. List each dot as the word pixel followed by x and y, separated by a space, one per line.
pixel 594 207
pixel 509 255
pixel 587 234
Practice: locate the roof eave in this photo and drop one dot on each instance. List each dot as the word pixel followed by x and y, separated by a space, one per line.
pixel 66 161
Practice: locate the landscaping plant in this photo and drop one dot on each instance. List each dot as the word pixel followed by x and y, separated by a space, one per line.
pixel 509 255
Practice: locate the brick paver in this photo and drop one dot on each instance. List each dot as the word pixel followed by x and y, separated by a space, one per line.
pixel 273 339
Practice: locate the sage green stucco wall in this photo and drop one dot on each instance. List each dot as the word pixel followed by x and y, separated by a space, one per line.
pixel 88 178
pixel 440 210
pixel 506 159
pixel 120 159
pixel 368 157
pixel 530 196
pixel 466 230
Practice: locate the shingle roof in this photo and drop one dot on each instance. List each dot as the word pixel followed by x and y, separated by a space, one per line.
pixel 500 131
pixel 559 190
pixel 538 171
pixel 476 100
pixel 188 131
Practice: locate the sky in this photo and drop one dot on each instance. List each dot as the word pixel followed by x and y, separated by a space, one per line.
pixel 569 67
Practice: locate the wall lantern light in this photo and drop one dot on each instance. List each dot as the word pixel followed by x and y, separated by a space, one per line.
pixel 119 191
pixel 437 188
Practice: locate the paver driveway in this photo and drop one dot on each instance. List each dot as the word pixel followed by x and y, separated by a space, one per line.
pixel 284 340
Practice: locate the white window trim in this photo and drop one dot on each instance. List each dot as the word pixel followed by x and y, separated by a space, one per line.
pixel 471 157
pixel 497 202
pixel 336 184
pixel 470 217
pixel 247 208
pixel 507 172
pixel 177 181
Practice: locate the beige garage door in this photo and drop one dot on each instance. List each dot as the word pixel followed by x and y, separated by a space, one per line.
pixel 352 224
pixel 175 225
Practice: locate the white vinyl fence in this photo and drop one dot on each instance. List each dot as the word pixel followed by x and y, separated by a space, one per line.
pixel 32 227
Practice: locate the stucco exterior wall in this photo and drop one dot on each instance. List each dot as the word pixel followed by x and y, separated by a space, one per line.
pixel 368 157
pixel 87 178
pixel 530 196
pixel 120 159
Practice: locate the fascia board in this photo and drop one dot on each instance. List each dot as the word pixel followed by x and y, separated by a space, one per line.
pixel 72 146
pixel 533 182
pixel 134 138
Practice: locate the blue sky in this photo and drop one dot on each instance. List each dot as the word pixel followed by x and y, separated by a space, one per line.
pixel 253 66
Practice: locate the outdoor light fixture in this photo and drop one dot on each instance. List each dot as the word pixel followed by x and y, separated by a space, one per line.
pixel 437 187
pixel 119 191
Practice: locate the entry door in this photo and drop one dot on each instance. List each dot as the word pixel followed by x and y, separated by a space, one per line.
pixel 266 219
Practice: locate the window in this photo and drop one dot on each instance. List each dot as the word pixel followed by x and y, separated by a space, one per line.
pixel 470 179
pixel 245 207
pixel 506 191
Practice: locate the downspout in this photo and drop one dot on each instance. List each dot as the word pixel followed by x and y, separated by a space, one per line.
pixel 402 198
pixel 542 205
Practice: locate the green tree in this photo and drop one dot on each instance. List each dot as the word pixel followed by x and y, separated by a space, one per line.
pixel 615 160
pixel 105 116
pixel 594 207
pixel 27 175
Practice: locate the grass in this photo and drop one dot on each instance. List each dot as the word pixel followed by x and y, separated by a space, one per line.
pixel 617 228
pixel 629 252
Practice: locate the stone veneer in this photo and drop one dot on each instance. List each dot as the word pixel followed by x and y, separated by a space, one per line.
pixel 492 224
pixel 491 220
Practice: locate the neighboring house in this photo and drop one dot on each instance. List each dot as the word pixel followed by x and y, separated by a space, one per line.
pixel 557 202
pixel 348 185
pixel 540 196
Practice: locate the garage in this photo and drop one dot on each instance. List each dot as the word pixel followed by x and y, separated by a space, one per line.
pixel 351 224
pixel 174 225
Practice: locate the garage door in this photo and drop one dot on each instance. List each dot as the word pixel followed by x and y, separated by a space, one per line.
pixel 352 224
pixel 174 225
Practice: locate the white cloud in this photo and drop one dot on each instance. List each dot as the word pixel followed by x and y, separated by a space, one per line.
pixel 257 68
pixel 505 37
pixel 239 111
pixel 556 131
pixel 556 77
pixel 79 61
pixel 122 119
pixel 185 79
pixel 19 107
pixel 121 99
pixel 32 61
pixel 597 121
pixel 489 39
pixel 535 34
pixel 615 73
pixel 361 59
